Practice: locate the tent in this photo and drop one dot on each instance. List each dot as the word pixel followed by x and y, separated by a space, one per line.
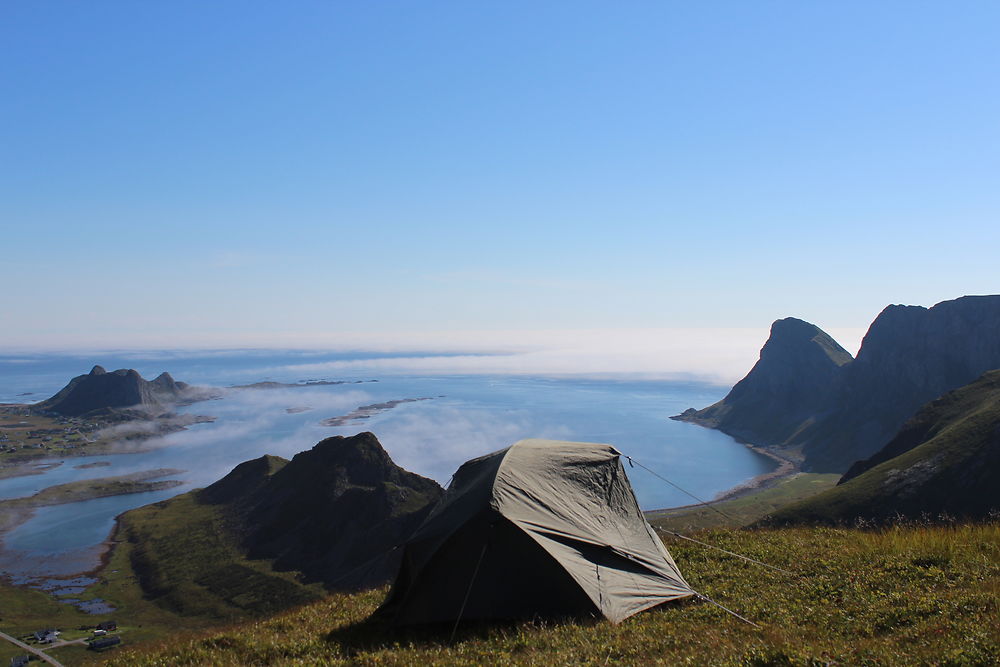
pixel 542 528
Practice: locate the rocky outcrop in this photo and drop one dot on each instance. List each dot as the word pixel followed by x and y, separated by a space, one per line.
pixel 790 384
pixel 944 461
pixel 840 411
pixel 333 513
pixel 910 356
pixel 100 390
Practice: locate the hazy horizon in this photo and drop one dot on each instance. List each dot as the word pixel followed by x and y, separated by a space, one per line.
pixel 712 355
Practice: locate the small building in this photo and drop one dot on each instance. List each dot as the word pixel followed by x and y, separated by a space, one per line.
pixel 46 636
pixel 20 660
pixel 104 643
pixel 107 625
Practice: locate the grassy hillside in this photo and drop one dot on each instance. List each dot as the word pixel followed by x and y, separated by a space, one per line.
pixel 902 596
pixel 274 533
pixel 948 463
pixel 187 562
pixel 746 509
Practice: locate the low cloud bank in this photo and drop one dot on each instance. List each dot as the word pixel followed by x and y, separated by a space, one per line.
pixel 713 355
pixel 720 355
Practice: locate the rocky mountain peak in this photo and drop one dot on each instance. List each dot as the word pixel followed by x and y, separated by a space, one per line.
pixel 124 388
pixel 795 374
pixel 805 391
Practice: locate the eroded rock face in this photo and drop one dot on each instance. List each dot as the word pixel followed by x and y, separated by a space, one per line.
pixel 791 383
pixel 806 391
pixel 910 356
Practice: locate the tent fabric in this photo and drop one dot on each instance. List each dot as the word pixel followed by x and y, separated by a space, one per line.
pixel 541 528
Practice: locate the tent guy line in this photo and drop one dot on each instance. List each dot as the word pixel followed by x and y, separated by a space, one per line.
pixel 726 551
pixel 633 462
pixel 702 596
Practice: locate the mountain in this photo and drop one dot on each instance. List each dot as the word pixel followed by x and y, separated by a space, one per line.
pixel 910 356
pixel 945 460
pixel 273 532
pixel 786 388
pixel 839 410
pixel 118 390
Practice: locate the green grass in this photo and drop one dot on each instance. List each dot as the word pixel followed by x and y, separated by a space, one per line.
pixel 185 561
pixel 746 509
pixel 950 468
pixel 913 595
pixel 23 611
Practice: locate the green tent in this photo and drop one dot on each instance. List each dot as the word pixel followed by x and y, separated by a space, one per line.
pixel 542 528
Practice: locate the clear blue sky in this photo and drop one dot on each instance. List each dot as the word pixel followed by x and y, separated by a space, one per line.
pixel 207 169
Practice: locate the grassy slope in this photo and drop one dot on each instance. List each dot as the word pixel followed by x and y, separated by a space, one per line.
pixel 23 611
pixel 903 596
pixel 951 471
pixel 746 509
pixel 187 563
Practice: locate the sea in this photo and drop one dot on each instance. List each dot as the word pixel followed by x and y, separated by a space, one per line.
pixel 462 416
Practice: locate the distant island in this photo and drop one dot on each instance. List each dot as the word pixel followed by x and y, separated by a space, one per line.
pixel 16 511
pixel 98 413
pixel 305 383
pixel 368 411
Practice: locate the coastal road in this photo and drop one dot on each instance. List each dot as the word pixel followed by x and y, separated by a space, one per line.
pixel 40 654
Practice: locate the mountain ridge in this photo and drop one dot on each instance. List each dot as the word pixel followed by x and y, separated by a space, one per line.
pixel 943 462
pixel 276 532
pixel 847 413
pixel 120 390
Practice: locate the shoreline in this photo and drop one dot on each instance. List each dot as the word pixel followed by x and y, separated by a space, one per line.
pixel 787 467
pixel 131 435
pixel 16 511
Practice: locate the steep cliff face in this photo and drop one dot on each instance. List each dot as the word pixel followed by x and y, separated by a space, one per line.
pixel 911 355
pixel 791 384
pixel 123 388
pixel 806 392
pixel 957 408
pixel 945 460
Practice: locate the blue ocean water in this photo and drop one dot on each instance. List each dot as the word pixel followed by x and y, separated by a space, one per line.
pixel 466 416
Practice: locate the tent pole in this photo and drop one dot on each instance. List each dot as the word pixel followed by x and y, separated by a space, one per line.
pixel 465 600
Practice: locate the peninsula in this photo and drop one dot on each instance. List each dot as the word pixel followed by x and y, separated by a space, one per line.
pixel 95 414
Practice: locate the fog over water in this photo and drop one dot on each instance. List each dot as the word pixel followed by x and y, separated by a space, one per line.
pixel 467 416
